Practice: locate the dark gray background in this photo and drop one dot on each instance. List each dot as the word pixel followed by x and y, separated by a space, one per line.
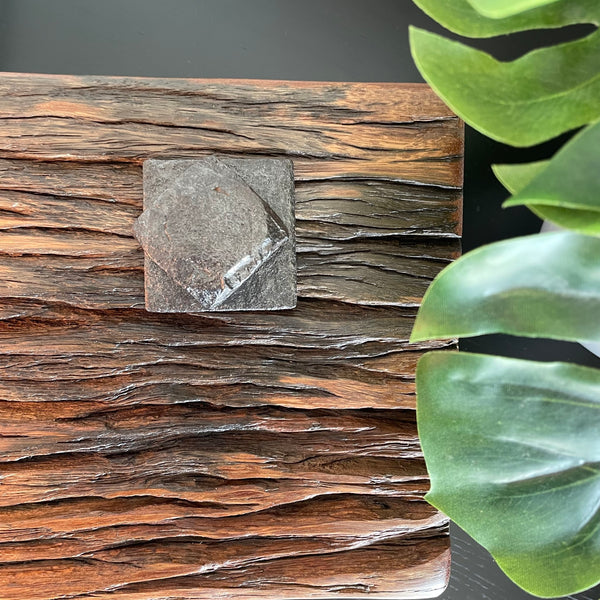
pixel 334 40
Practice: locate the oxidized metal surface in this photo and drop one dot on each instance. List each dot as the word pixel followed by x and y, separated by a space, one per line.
pixel 218 234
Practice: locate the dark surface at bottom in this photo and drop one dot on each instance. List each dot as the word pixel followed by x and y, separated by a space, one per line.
pixel 339 40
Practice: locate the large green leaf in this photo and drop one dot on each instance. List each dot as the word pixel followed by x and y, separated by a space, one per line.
pixel 459 16
pixel 499 9
pixel 545 285
pixel 565 190
pixel 523 102
pixel 513 451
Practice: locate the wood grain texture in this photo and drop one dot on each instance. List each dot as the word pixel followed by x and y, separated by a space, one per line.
pixel 223 455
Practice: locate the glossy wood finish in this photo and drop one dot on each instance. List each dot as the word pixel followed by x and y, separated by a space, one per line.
pixel 232 455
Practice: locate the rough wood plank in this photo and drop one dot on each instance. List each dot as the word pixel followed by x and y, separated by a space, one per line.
pixel 245 569
pixel 369 207
pixel 322 355
pixel 81 250
pixel 99 269
pixel 381 131
pixel 237 455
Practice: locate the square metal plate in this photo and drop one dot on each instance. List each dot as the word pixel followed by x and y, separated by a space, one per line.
pixel 218 234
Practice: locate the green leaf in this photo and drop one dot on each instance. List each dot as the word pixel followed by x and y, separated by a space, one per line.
pixel 513 451
pixel 498 9
pixel 515 177
pixel 567 191
pixel 586 222
pixel 544 285
pixel 523 102
pixel 459 16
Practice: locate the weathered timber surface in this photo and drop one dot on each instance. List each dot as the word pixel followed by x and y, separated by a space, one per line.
pixel 219 455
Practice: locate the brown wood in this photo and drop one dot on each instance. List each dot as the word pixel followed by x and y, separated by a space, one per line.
pixel 224 455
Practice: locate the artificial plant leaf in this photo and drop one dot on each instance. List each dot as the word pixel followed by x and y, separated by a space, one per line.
pixel 513 451
pixel 567 191
pixel 524 102
pixel 459 16
pixel 499 9
pixel 544 285
pixel 515 177
pixel 581 221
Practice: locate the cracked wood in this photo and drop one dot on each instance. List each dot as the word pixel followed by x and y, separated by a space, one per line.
pixel 234 455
